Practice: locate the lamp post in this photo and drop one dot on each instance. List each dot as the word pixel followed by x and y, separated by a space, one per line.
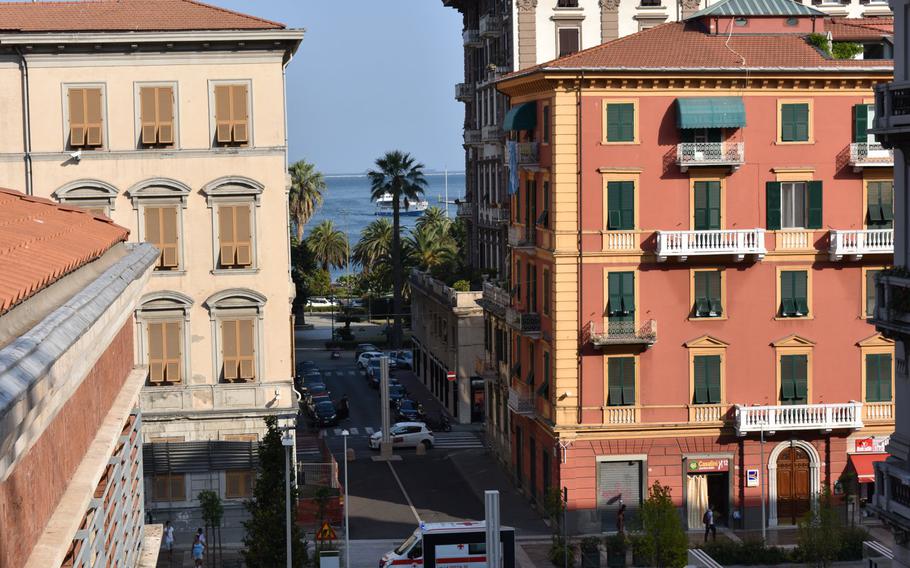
pixel 288 442
pixel 347 536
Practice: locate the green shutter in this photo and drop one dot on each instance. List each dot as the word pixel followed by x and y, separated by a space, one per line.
pixel 887 200
pixel 627 206
pixel 712 368
pixel 714 205
pixel 815 205
pixel 801 380
pixel 787 133
pixel 787 294
pixel 772 204
pixel 614 199
pixel 701 206
pixel 794 122
pixel 714 296
pixel 614 306
pixel 870 292
pixel 800 292
pixel 787 382
pixel 701 381
pixel 702 304
pixel 878 378
pixel 884 375
pixel 628 293
pixel 546 124
pixel 874 203
pixel 620 122
pixel 614 382
pixel 860 123
pixel 613 129
pixel 628 384
pixel 872 368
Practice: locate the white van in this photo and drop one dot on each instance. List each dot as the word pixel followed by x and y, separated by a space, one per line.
pixel 454 545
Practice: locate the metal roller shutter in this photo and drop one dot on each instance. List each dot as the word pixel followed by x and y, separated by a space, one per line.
pixel 618 481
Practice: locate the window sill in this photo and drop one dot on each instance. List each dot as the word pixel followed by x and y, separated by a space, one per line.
pixel 794 143
pixel 709 318
pixel 801 318
pixel 218 271
pixel 608 143
pixel 650 8
pixel 181 272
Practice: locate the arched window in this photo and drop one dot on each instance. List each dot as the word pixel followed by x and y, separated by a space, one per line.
pixel 159 204
pixel 233 201
pixel 236 317
pixel 162 321
pixel 93 195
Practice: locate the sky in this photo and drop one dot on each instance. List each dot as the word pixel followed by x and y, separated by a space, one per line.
pixel 371 76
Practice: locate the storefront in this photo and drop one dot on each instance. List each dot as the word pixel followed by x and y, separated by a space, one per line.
pixel 865 452
pixel 707 482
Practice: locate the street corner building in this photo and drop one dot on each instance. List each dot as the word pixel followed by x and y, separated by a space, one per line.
pixel 168 117
pixel 71 490
pixel 698 215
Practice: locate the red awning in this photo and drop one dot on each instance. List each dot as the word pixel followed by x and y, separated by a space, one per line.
pixel 862 463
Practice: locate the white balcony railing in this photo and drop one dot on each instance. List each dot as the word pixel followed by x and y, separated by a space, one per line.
pixel 496 295
pixel 464 92
pixel 520 400
pixel 465 209
pixel 617 241
pixel 490 25
pixel 471 137
pixel 856 243
pixel 689 154
pixel 472 38
pixel 878 411
pixel 491 133
pixel 621 414
pixel 738 242
pixel 707 412
pixel 520 237
pixel 848 415
pixel 620 333
pixel 870 154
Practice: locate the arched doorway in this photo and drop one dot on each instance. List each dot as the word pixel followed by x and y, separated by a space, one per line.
pixel 793 497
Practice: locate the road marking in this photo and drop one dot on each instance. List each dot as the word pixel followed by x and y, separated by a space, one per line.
pixel 337 431
pixel 403 492
pixel 353 431
pixel 352 373
pixel 369 431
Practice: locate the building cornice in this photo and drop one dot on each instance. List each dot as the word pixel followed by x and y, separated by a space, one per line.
pixel 198 36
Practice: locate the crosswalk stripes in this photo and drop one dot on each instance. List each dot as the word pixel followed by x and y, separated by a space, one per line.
pixel 457 440
pixel 369 431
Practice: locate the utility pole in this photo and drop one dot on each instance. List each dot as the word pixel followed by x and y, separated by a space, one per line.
pixel 492 525
pixel 288 442
pixel 565 527
pixel 385 445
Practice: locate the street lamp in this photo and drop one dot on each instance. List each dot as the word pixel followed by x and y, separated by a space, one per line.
pixel 347 506
pixel 288 442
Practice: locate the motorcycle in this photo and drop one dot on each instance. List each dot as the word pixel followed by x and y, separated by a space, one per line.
pixel 439 425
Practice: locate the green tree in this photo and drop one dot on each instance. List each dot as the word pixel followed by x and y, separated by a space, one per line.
pixel 305 195
pixel 212 513
pixel 664 542
pixel 329 245
pixel 398 175
pixel 434 217
pixel 820 533
pixel 429 247
pixel 374 246
pixel 265 543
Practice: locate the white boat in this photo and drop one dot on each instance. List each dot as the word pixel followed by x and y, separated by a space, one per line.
pixel 407 208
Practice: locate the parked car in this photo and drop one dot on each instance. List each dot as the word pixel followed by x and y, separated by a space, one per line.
pixel 396 393
pixel 336 354
pixel 324 413
pixel 405 435
pixel 364 358
pixel 319 302
pixel 313 390
pixel 407 409
pixel 403 359
pixel 364 348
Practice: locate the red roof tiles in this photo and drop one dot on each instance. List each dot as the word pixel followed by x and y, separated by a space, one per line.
pixel 859 29
pixel 686 46
pixel 41 241
pixel 123 16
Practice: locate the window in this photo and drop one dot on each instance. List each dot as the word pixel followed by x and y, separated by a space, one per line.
pixel 794 205
pixel 569 40
pixel 567 3
pixel 621 303
pixel 156 108
pixel 701 135
pixel 237 350
pixel 517 288
pixel 544 219
pixel 792 21
pixel 165 346
pixel 794 383
pixel 706 379
pixel 650 3
pixel 793 293
pixel 235 236
pixel 878 377
pixel 544 390
pixel 238 483
pixel 92 195
pixel 741 22
pixel 241 437
pixel 880 204
pixel 794 122
pixel 85 117
pixel 870 276
pixel 546 124
pixel 162 227
pixel 532 282
pixel 707 205
pixel 862 119
pixel 546 291
pixel 232 115
pixel 708 302
pixel 169 487
pixel 620 205
pixel 620 122
pixel 621 381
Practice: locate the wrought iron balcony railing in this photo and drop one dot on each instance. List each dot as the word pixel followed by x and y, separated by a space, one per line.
pixel 601 334
pixel 690 154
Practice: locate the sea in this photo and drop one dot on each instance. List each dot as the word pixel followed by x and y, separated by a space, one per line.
pixel 347 203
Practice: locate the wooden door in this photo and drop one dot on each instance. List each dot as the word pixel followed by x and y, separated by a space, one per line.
pixel 792 485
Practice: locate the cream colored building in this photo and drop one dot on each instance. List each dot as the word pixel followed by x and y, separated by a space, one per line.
pixel 180 136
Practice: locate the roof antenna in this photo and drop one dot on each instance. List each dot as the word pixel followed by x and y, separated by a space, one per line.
pixel 727 43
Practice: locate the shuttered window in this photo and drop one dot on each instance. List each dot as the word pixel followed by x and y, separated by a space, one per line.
pixel 569 40
pixel 861 123
pixel 544 389
pixel 620 122
pixel 231 116
pixel 546 291
pixel 169 487
pixel 85 117
pixel 545 111
pixel 706 379
pixel 794 383
pixel 620 205
pixel 878 377
pixel 794 122
pixel 165 350
pixel 238 483
pixel 794 293
pixel 156 106
pixel 708 302
pixel 793 205
pixel 162 229
pixel 870 292
pixel 880 204
pixel 235 238
pixel 237 350
pixel 621 301
pixel 707 205
pixel 621 381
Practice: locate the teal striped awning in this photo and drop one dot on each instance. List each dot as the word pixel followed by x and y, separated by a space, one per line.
pixel 710 112
pixel 521 117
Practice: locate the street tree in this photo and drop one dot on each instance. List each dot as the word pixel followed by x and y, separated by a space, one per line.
pixel 329 245
pixel 374 246
pixel 305 195
pixel 664 541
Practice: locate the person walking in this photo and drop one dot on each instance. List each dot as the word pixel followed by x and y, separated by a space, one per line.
pixel 621 519
pixel 708 520
pixel 198 551
pixel 169 541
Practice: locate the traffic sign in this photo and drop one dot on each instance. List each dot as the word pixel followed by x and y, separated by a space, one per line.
pixel 326 532
pixel 450 376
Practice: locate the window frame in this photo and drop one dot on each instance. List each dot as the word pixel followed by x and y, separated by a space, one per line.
pixel 636 283
pixel 547 276
pixel 705 346
pixel 249 473
pixel 793 345
pixel 635 122
pixel 158 192
pixel 137 123
pixel 876 344
pixel 546 118
pixel 870 178
pixel 87 193
pixel 695 179
pixel 863 314
pixel 810 139
pixel 234 190
pixel 237 304
pixel 779 298
pixel 569 25
pixel 105 131
pixel 213 120
pixel 172 478
pixel 608 176
pixel 723 294
pixel 636 380
pixel 158 307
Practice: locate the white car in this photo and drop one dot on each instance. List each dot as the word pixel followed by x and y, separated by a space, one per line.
pixel 321 303
pixel 364 360
pixel 406 435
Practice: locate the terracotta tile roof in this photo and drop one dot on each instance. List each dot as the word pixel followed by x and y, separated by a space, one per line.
pixel 124 15
pixel 41 241
pixel 679 45
pixel 858 29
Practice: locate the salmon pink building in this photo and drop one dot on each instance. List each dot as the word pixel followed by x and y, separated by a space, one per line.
pixel 698 215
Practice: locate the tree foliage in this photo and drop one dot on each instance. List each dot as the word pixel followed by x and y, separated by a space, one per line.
pixel 305 195
pixel 328 245
pixel 664 541
pixel 375 245
pixel 820 533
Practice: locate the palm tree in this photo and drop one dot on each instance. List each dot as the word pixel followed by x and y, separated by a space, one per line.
pixel 400 176
pixel 305 196
pixel 433 217
pixel 374 245
pixel 429 247
pixel 328 245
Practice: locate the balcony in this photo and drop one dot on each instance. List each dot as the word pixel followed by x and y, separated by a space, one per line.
pixel 620 241
pixel 472 137
pixel 520 237
pixel 707 413
pixel 528 155
pixel 491 134
pixel 484 367
pixel 464 92
pixel 892 303
pixel 527 324
pixel 738 243
pixel 878 411
pixel 521 400
pixel 472 38
pixel 892 113
pixel 490 25
pixel 495 299
pixel 465 209
pixel 870 155
pixel 710 154
pixel 855 244
pixel 824 417
pixel 492 216
pixel 621 414
pixel 620 333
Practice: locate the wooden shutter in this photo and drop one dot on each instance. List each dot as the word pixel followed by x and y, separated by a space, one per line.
pixel 173 350
pixel 153 229
pixel 614 200
pixel 860 123
pixel 801 121
pixel 226 235
pixel 702 303
pixel 713 190
pixel 223 126
pixel 874 203
pixel 165 99
pixel 156 352
pixel 627 122
pixel 149 115
pixel 239 113
pixel 628 380
pixel 243 236
pixel 714 293
pixel 887 201
pixel 814 220
pixel 77 117
pixel 800 378
pixel 800 292
pixel 787 298
pixel 614 381
pixel 93 117
pixel 568 41
pixel 246 350
pixel 772 205
pixel 707 205
pixel 712 378
pixel 787 386
pixel 884 377
pixel 162 230
pixel 700 396
pixel 229 351
pixel 614 284
pixel 878 378
pixel 628 293
pixel 231 116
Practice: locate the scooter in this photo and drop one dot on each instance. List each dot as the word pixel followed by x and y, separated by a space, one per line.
pixel 440 425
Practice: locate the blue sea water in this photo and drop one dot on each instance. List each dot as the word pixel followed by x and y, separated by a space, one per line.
pixel 347 203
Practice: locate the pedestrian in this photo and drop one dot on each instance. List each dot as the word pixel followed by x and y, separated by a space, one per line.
pixel 708 520
pixel 200 534
pixel 169 539
pixel 621 519
pixel 198 550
